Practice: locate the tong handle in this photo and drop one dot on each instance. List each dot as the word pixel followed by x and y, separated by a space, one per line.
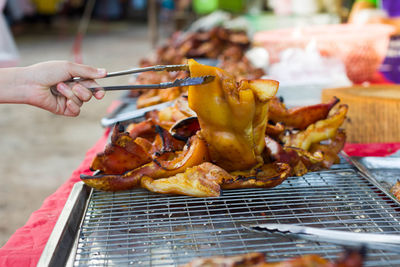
pixel 131 87
pixel 328 233
pixel 139 70
pixel 182 67
pixel 374 241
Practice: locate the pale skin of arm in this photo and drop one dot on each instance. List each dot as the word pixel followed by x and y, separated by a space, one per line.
pixel 31 85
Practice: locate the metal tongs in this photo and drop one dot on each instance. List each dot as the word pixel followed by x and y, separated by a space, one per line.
pixel 176 83
pixel 373 241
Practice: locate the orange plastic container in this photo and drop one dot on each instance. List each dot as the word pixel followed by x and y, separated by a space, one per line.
pixel 362 48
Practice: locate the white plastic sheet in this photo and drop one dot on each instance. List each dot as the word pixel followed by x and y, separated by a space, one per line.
pixel 303 73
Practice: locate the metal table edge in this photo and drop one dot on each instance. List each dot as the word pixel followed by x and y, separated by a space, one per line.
pixel 57 251
pixel 368 175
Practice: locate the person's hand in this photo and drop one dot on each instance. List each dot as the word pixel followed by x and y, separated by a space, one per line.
pixel 40 77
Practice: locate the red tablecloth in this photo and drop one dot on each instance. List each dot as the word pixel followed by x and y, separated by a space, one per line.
pixel 26 245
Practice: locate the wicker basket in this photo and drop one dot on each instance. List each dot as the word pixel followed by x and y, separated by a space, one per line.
pixel 374 112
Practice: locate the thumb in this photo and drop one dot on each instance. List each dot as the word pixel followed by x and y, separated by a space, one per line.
pixel 84 71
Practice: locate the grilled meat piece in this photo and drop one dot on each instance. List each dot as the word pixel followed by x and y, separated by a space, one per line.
pixel 199 181
pixel 232 117
pixel 351 258
pixel 249 259
pixel 316 132
pixel 395 190
pixel 121 155
pixel 265 176
pixel 164 166
pixel 299 117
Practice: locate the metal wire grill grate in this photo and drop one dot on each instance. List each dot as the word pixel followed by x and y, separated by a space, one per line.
pixel 141 228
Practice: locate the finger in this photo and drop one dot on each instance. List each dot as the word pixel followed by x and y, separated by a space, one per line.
pixel 66 91
pixel 99 92
pixel 82 92
pixel 89 83
pixel 72 109
pixel 84 71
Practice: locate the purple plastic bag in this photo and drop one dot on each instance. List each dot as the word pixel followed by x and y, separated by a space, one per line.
pixel 390 67
pixel 392 7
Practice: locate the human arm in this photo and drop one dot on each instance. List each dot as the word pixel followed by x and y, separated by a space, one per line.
pixel 31 85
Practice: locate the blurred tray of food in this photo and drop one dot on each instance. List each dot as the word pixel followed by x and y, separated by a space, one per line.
pixel 127 112
pixel 218 46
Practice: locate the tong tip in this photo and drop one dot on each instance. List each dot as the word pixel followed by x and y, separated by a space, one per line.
pixel 208 79
pixel 269 227
pixel 170 68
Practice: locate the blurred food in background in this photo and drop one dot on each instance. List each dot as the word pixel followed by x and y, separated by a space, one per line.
pixel 218 46
pixel 303 45
pixel 361 48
